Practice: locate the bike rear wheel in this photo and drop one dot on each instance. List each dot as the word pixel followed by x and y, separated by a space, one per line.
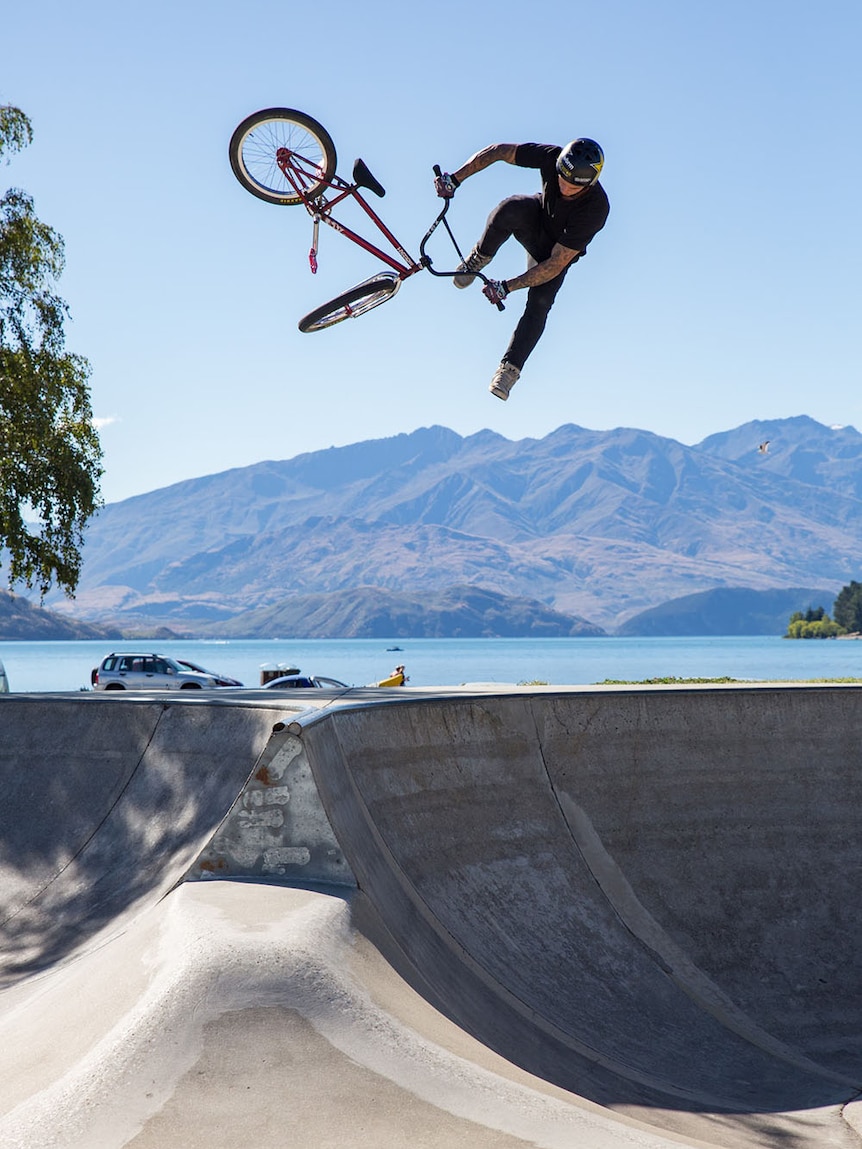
pixel 352 303
pixel 303 146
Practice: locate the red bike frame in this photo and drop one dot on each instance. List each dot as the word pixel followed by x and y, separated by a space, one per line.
pixel 321 207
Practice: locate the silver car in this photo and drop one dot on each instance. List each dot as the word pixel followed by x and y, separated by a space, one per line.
pixel 302 682
pixel 134 671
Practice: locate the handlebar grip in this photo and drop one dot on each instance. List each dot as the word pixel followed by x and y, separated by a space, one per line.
pixel 438 170
pixel 500 305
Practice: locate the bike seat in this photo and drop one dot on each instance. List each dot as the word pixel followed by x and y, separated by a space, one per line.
pixel 363 178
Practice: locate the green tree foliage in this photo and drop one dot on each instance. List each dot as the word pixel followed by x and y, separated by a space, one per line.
pixel 50 457
pixel 814 623
pixel 848 608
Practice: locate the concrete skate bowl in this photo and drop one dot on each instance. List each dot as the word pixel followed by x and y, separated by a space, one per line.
pixel 645 897
pixel 648 897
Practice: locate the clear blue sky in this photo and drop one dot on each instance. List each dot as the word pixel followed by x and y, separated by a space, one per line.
pixel 724 288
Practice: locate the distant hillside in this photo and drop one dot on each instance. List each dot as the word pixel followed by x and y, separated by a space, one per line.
pixel 459 612
pixel 727 610
pixel 598 525
pixel 21 620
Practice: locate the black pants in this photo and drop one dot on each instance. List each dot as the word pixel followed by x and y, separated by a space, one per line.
pixel 522 217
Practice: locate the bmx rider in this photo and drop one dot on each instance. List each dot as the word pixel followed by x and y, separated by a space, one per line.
pixel 554 226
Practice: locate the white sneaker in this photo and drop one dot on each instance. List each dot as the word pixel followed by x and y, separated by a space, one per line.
pixel 468 267
pixel 505 378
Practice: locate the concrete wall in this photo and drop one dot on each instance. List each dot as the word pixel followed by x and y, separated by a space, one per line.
pixel 648 897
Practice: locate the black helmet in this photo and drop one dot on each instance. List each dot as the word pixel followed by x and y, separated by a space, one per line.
pixel 580 162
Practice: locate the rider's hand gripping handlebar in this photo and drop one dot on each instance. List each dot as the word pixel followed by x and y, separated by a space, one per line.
pixel 445 185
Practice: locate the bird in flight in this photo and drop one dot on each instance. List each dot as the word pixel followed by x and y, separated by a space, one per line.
pixel 764 447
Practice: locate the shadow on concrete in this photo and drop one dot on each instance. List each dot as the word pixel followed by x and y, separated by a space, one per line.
pixel 106 806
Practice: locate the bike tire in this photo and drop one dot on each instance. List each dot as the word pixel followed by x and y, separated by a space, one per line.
pixel 352 303
pixel 255 142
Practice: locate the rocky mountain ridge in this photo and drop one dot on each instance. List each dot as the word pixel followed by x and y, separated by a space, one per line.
pixel 595 525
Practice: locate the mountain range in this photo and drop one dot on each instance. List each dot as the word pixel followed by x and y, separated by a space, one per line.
pixel 591 527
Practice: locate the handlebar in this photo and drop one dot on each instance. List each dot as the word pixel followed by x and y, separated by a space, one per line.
pixel 441 218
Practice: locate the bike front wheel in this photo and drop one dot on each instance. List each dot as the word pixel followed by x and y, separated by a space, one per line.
pixel 353 303
pixel 282 156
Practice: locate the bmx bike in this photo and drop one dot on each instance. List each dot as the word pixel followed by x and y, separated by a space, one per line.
pixel 286 157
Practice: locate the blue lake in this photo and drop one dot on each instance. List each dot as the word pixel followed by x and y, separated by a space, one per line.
pixel 56 666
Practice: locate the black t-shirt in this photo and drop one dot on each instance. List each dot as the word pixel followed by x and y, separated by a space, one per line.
pixel 572 221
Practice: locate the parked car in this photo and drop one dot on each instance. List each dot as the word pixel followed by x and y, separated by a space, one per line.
pixel 301 681
pixel 221 679
pixel 132 670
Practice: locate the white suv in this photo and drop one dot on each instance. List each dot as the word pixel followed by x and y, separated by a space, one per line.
pixel 133 671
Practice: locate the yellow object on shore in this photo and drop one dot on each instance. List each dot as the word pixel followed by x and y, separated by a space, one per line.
pixel 396 678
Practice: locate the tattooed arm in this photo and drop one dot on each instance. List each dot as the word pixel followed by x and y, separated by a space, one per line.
pixel 557 261
pixel 484 159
